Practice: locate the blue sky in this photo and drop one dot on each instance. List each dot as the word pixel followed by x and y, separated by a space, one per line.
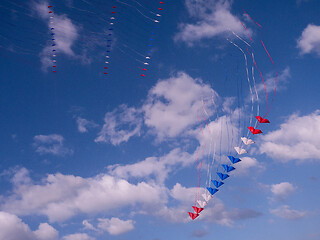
pixel 90 156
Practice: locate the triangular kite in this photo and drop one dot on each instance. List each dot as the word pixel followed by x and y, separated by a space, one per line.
pixel 247 141
pixel 202 204
pixel 193 215
pixel 197 210
pixel 234 160
pixel 254 131
pixel 212 190
pixel 262 120
pixel 222 175
pixel 217 183
pixel 240 150
pixel 228 168
pixel 206 197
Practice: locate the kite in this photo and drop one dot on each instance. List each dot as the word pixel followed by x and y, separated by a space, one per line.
pixel 220 167
pixel 132 33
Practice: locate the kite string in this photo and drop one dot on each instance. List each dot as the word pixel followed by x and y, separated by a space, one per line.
pixel 248 79
pixel 275 79
pixel 252 19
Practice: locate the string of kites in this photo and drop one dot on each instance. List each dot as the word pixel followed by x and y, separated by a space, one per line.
pixel 227 169
pixel 108 40
pixel 221 175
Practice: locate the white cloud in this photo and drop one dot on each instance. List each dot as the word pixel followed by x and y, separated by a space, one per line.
pixel 221 130
pixel 309 40
pixel 159 167
pixel 219 214
pixel 297 139
pixel 181 193
pixel 286 213
pixel 83 124
pixel 78 236
pixel 270 84
pixel 21 177
pixel 115 226
pixel 214 19
pixel 282 190
pixel 46 232
pixel 12 228
pixel 60 197
pixel 120 125
pixel 248 165
pixel 66 33
pixel 215 211
pixel 88 225
pixel 173 103
pixel 51 144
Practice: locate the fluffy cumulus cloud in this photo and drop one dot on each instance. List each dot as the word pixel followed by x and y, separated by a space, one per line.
pixel 282 190
pixel 60 197
pixel 221 130
pixel 78 236
pixel 297 139
pixel 173 104
pixel 309 40
pixel 286 213
pixel 214 18
pixel 115 226
pixel 51 144
pixel 13 228
pixel 46 232
pixel 120 125
pixel 66 33
pixel 248 165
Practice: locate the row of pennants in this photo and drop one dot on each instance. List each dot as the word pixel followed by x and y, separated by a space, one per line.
pixel 227 169
pixel 109 42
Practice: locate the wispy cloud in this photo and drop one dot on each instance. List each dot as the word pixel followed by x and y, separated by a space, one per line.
pixel 120 125
pixel 286 213
pixel 51 144
pixel 271 84
pixel 84 124
pixel 157 167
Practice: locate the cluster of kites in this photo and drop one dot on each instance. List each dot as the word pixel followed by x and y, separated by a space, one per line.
pixel 151 16
pixel 221 166
pixel 53 40
pixel 227 168
pixel 119 33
